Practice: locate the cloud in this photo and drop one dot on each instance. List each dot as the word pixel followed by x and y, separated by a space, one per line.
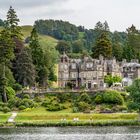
pixel 120 14
pixel 29 3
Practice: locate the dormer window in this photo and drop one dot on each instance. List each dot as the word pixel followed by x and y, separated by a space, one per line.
pixel 73 66
pixel 133 69
pixel 61 59
pixel 66 59
pixel 89 65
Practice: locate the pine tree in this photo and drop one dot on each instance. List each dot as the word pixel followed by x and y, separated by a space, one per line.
pixel 6 55
pixel 117 46
pixel 102 47
pixel 133 41
pixel 12 24
pixel 26 69
pixel 15 31
pixel 38 57
pixel 37 51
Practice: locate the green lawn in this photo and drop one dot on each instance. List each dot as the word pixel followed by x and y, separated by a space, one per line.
pixel 40 114
pixel 4 117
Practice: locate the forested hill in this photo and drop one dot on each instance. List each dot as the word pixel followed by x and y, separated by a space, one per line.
pixel 77 40
pixel 57 28
pixel 77 37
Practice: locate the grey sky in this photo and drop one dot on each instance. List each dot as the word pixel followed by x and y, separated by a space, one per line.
pixel 120 14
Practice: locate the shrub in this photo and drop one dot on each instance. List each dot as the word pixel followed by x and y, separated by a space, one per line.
pixel 119 108
pixel 2 104
pixel 22 107
pixel 38 99
pixel 124 95
pixel 26 96
pixel 55 107
pixel 52 103
pixel 12 103
pixel 133 106
pixel 84 97
pixel 6 109
pixel 10 92
pixel 18 102
pixel 83 106
pixel 106 110
pixel 113 97
pixel 64 97
pixel 27 103
pixel 46 102
pixel 99 99
pixel 75 109
pixel 1 108
pixel 17 87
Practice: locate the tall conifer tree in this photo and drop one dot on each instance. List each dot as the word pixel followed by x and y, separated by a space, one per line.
pixel 38 58
pixel 15 31
pixel 26 69
pixel 102 47
pixel 6 55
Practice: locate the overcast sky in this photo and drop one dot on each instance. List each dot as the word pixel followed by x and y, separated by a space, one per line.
pixel 120 14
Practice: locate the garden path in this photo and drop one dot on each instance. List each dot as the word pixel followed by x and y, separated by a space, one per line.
pixel 12 117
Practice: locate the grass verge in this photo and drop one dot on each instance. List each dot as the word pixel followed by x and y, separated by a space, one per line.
pixel 41 117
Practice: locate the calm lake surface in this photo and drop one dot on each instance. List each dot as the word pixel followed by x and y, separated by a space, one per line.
pixel 71 133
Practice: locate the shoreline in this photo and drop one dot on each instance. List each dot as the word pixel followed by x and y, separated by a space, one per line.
pixel 72 124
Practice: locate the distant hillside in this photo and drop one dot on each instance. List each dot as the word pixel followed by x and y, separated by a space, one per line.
pixel 63 30
pixel 45 40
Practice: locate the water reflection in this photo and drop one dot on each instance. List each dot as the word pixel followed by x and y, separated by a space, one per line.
pixel 71 133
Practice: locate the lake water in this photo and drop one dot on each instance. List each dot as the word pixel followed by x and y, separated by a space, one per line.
pixel 71 133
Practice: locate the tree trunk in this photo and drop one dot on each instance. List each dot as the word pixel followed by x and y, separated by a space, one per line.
pixel 4 85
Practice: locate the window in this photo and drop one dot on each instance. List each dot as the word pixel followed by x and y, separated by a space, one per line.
pixel 133 69
pixel 101 83
pixel 66 76
pixel 125 83
pixel 73 75
pixel 66 59
pixel 73 66
pixel 94 78
pixel 62 60
pixel 130 75
pixel 89 65
pixel 81 74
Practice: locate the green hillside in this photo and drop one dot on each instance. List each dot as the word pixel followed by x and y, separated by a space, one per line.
pixel 45 41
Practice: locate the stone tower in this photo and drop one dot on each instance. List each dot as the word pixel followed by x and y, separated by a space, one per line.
pixel 63 71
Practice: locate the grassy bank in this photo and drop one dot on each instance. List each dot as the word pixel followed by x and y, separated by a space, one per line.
pixel 40 114
pixel 41 117
pixel 4 117
pixel 80 123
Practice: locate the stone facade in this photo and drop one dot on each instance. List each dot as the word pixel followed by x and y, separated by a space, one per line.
pixel 88 72
pixel 130 71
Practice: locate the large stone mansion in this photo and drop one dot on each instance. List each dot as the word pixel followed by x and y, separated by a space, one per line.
pixel 89 73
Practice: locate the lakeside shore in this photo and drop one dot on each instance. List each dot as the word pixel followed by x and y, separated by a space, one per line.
pixel 71 123
pixel 39 117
